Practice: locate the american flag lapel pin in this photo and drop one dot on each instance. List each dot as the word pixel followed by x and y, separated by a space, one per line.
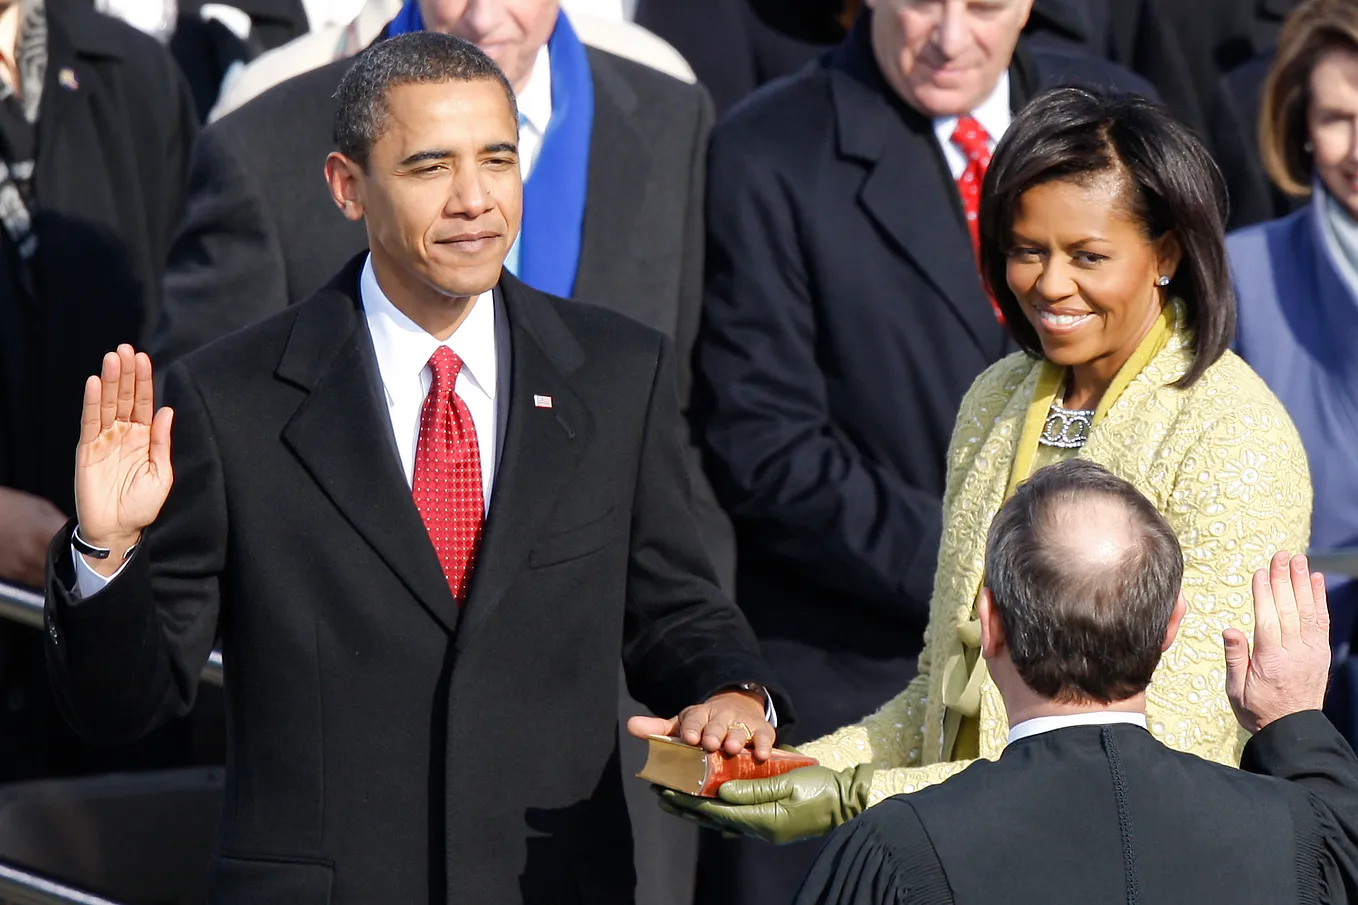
pixel 67 79
pixel 542 402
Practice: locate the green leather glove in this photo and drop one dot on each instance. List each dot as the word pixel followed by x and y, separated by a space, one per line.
pixel 804 803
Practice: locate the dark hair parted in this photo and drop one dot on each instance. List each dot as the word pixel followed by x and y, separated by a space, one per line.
pixel 417 58
pixel 1075 633
pixel 1313 29
pixel 1172 187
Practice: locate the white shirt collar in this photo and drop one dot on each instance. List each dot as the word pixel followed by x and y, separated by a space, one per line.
pixel 1041 724
pixel 993 114
pixel 535 103
pixel 403 347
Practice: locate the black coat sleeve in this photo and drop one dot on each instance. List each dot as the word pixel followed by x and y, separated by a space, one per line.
pixel 787 475
pixel 128 659
pixel 226 267
pixel 883 857
pixel 1309 752
pixel 683 640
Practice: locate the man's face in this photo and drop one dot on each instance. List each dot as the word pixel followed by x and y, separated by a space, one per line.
pixel 511 32
pixel 944 57
pixel 441 195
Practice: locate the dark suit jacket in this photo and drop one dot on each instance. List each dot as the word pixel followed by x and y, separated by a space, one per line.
pixel 844 320
pixel 262 232
pixel 385 747
pixel 1108 814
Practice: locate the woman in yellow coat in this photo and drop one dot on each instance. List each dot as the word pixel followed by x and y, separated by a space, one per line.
pixel 1102 237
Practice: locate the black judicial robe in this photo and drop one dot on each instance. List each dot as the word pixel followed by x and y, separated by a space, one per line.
pixel 1109 814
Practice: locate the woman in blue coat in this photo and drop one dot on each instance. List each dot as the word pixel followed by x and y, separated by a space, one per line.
pixel 1297 284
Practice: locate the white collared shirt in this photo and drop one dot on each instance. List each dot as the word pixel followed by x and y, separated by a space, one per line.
pixel 1041 724
pixel 993 114
pixel 535 112
pixel 403 351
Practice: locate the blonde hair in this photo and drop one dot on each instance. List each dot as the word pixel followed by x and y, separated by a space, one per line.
pixel 1314 28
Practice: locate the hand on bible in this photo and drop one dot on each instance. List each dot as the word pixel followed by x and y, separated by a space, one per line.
pixel 122 463
pixel 801 804
pixel 1290 665
pixel 726 722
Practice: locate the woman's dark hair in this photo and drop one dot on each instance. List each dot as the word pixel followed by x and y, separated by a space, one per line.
pixel 1172 187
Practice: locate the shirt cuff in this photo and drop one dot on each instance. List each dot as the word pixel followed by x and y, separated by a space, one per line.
pixel 89 582
pixel 770 712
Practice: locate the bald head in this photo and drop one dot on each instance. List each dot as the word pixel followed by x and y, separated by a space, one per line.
pixel 1085 574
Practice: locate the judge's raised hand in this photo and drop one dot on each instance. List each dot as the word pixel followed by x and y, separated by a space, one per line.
pixel 122 463
pixel 724 722
pixel 1289 667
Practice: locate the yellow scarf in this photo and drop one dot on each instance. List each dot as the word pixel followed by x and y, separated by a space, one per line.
pixel 965 671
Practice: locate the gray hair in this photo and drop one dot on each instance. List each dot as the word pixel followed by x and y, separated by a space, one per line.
pixel 417 58
pixel 1079 631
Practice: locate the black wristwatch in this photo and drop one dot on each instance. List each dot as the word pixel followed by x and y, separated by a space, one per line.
pixel 88 549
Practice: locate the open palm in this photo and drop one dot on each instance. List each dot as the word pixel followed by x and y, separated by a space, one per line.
pixel 122 463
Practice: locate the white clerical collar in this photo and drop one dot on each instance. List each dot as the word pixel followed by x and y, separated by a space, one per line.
pixel 1041 724
pixel 993 114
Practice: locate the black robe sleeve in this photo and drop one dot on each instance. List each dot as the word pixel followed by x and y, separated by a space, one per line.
pixel 883 857
pixel 1308 751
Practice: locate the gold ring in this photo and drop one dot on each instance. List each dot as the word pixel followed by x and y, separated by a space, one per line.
pixel 748 733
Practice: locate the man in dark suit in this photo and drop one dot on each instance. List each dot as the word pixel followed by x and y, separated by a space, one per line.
pixel 844 319
pixel 426 511
pixel 96 130
pixel 1085 805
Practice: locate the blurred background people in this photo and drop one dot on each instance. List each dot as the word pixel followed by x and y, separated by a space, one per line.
pixel 1297 281
pixel 1102 238
pixel 96 131
pixel 843 321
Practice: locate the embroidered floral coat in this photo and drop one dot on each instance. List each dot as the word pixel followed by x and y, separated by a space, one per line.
pixel 1221 460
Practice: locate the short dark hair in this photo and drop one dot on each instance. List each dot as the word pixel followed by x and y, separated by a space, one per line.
pixel 1313 29
pixel 1173 186
pixel 1077 634
pixel 416 58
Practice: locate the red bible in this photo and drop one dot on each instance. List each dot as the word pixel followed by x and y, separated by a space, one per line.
pixel 686 768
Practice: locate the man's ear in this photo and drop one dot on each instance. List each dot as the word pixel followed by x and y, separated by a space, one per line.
pixel 1175 618
pixel 345 178
pixel 992 630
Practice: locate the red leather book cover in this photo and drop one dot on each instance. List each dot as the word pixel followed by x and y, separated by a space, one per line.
pixel 686 768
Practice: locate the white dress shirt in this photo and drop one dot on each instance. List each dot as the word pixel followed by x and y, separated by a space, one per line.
pixel 1041 724
pixel 993 114
pixel 535 112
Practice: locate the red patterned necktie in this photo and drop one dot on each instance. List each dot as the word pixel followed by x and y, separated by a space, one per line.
pixel 973 141
pixel 447 484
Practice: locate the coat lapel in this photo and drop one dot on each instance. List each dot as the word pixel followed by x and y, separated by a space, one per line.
pixel 907 190
pixel 342 435
pixel 541 447
pixel 73 35
pixel 618 157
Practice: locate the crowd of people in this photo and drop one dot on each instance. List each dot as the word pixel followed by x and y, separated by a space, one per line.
pixel 863 278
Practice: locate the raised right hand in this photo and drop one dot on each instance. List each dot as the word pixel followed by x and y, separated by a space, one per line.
pixel 122 463
pixel 1289 667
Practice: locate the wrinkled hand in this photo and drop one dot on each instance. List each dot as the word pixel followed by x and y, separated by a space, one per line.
pixel 801 804
pixel 122 463
pixel 718 724
pixel 1290 665
pixel 27 525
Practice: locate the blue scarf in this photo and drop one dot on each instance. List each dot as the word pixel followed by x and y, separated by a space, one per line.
pixel 554 195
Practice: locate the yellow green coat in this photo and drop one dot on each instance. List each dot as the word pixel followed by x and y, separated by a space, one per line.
pixel 1223 463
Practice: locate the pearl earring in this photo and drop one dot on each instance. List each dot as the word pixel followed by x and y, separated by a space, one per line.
pixel 1163 281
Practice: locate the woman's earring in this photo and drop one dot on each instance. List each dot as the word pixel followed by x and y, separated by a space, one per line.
pixel 1163 281
pixel 1309 147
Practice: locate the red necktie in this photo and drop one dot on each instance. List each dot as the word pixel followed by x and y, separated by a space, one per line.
pixel 972 140
pixel 447 484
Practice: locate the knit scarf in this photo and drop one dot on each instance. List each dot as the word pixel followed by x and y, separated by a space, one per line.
pixel 18 130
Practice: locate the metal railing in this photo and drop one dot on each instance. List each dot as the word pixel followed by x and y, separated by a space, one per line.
pixel 19 887
pixel 24 606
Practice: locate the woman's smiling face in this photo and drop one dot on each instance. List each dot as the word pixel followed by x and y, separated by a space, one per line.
pixel 1084 272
